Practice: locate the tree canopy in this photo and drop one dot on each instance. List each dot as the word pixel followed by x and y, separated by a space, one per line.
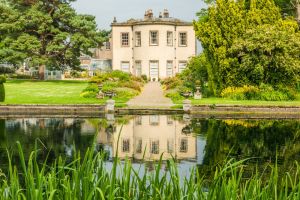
pixel 47 32
pixel 249 45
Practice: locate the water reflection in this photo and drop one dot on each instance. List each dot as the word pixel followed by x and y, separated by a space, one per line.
pixel 202 142
pixel 148 137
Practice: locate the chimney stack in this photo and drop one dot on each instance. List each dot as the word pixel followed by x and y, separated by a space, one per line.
pixel 148 14
pixel 160 15
pixel 166 13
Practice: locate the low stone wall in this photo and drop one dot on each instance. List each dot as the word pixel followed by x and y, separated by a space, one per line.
pixel 245 109
pixel 58 110
pixel 148 111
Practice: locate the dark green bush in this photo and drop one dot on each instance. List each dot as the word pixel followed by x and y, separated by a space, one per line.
pixel 92 88
pixel 21 76
pixel 2 89
pixel 2 79
pixel 144 77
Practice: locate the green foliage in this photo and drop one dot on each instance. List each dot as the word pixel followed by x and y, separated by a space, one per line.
pixel 86 177
pixel 20 76
pixel 248 43
pixel 2 79
pixel 144 77
pixel 88 94
pixel 172 82
pixel 2 92
pixel 115 75
pixel 124 85
pixel 45 32
pixel 263 92
pixel 92 88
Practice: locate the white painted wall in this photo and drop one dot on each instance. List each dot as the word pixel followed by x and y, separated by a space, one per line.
pixel 145 53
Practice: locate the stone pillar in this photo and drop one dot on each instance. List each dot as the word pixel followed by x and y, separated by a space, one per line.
pixel 110 105
pixel 187 105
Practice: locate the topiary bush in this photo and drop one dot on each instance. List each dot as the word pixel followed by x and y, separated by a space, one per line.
pixel 2 89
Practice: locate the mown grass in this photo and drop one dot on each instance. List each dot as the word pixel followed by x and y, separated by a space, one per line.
pixel 87 178
pixel 50 92
pixel 223 101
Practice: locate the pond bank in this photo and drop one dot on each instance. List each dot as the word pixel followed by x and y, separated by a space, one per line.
pixel 92 110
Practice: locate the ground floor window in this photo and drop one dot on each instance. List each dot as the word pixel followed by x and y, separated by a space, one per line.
pixel 169 68
pixel 126 145
pixel 125 66
pixel 183 145
pixel 138 68
pixel 181 66
pixel 139 145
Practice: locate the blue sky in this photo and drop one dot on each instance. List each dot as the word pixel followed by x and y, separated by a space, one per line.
pixel 106 10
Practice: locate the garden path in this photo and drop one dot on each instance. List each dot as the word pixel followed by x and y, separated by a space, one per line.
pixel 152 96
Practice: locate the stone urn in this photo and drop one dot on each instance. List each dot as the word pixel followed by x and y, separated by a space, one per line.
pixel 198 94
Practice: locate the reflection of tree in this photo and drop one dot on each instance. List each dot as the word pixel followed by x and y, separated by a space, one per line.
pixel 264 140
pixel 52 137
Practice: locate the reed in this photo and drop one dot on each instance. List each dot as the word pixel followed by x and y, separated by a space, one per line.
pixel 86 177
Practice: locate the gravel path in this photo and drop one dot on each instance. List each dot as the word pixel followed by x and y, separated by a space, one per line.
pixel 151 97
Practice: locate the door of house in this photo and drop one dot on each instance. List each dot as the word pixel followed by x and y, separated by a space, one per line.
pixel 125 67
pixel 154 70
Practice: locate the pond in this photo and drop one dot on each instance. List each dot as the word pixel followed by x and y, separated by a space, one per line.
pixel 192 141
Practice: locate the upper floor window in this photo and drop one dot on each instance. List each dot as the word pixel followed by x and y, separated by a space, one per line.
pixel 153 38
pixel 182 39
pixel 125 39
pixel 170 38
pixel 138 39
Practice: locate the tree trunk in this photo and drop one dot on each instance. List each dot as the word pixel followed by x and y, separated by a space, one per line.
pixel 42 69
pixel 298 11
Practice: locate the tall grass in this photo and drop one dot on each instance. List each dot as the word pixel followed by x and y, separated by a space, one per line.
pixel 86 177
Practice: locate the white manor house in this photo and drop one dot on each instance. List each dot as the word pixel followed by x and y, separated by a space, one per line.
pixel 157 47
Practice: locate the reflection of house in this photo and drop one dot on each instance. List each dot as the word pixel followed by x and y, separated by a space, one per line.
pixel 151 136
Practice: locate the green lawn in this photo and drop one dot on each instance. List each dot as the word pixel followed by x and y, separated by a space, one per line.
pixel 210 101
pixel 46 92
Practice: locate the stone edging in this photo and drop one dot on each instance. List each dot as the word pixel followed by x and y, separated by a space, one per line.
pixel 47 109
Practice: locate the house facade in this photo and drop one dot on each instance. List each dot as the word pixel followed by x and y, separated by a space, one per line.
pixel 157 47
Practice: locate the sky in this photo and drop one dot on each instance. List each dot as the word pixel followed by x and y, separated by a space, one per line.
pixel 106 10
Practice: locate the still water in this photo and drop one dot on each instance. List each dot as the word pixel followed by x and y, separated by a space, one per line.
pixel 193 142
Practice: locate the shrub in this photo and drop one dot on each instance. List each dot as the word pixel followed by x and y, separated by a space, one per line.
pixel 75 74
pixel 132 84
pixel 21 76
pixel 88 94
pixel 2 79
pixel 122 76
pixel 125 93
pixel 240 93
pixel 144 77
pixel 172 82
pixel 263 92
pixel 91 88
pixel 174 96
pixel 2 89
